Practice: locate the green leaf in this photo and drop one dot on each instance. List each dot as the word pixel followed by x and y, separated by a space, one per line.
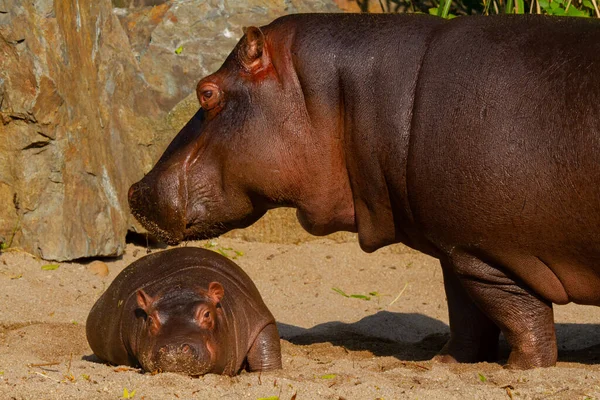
pixel 544 4
pixel 3 246
pixel 482 377
pixel 573 12
pixel 588 4
pixel 519 7
pixel 360 296
pixel 433 11
pixel 1 372
pixel 223 253
pixel 339 291
pixel 50 267
pixel 269 398
pixel 179 50
pixel 328 376
pixel 127 394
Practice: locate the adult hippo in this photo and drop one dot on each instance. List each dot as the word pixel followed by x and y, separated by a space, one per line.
pixel 475 140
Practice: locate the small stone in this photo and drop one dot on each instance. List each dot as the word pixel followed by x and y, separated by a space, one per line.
pixel 98 268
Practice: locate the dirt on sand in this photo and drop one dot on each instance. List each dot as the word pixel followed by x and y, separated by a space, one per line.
pixel 353 326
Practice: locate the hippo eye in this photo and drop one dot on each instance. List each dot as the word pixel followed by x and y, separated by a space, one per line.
pixel 207 314
pixel 209 95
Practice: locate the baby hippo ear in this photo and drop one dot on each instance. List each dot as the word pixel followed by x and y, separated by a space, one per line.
pixel 216 291
pixel 144 300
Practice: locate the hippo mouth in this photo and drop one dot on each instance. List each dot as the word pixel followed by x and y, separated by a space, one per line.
pixel 181 360
pixel 192 231
pixel 168 237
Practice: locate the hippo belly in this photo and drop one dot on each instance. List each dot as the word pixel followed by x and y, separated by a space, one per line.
pixel 505 176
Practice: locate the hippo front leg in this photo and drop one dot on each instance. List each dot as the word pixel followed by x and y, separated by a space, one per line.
pixel 473 336
pixel 265 352
pixel 525 319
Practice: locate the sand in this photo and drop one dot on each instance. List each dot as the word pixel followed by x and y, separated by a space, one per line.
pixel 334 347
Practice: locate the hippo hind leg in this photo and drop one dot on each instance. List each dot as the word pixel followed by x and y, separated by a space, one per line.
pixel 473 336
pixel 265 352
pixel 525 319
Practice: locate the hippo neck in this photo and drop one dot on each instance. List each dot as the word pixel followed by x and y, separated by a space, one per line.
pixel 366 84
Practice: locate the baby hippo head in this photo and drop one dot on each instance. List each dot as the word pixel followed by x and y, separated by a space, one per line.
pixel 182 330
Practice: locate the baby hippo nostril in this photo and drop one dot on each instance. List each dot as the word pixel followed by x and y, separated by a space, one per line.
pixel 186 349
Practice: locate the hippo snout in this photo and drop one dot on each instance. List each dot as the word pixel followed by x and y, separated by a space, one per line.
pixel 157 203
pixel 182 358
pixel 184 349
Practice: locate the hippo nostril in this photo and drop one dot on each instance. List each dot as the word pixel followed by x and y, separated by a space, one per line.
pixel 132 189
pixel 185 348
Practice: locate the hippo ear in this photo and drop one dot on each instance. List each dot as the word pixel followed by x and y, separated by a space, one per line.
pixel 216 291
pixel 251 49
pixel 144 300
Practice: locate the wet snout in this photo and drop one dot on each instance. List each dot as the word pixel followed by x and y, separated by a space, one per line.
pixel 184 350
pixel 184 358
pixel 158 202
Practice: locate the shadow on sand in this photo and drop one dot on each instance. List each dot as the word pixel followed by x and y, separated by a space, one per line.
pixel 417 337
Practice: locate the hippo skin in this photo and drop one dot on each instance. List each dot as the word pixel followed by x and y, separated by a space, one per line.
pixel 475 140
pixel 185 310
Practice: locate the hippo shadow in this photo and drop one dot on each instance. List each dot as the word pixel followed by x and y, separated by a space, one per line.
pixel 92 358
pixel 579 343
pixel 417 337
pixel 410 336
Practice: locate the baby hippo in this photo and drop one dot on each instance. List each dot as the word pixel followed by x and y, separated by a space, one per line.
pixel 185 310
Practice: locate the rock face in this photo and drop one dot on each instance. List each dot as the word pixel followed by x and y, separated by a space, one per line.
pixel 85 99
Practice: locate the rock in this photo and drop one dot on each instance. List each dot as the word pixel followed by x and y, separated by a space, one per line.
pixel 85 107
pixel 179 42
pixel 98 268
pixel 74 108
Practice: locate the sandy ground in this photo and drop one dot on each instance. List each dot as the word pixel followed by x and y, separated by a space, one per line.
pixel 334 347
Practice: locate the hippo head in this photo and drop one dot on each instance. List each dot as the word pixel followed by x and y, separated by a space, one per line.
pixel 251 146
pixel 182 331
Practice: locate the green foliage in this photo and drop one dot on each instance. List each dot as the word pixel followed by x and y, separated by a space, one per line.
pixel 355 296
pixel 452 8
pixel 328 376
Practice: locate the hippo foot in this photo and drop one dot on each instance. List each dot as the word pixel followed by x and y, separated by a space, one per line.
pixel 265 352
pixel 532 358
pixel 526 320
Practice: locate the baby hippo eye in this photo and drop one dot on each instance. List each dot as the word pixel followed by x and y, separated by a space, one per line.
pixel 207 314
pixel 207 94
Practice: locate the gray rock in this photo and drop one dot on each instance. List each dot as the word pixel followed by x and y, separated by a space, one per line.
pixel 74 109
pixel 85 107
